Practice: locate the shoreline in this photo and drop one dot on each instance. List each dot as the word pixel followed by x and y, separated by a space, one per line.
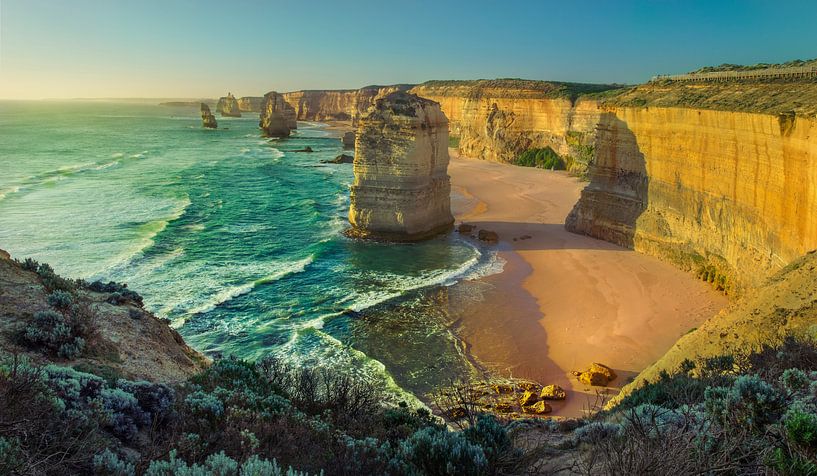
pixel 563 300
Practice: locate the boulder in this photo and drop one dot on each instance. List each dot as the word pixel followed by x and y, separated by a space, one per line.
pixel 465 229
pixel 552 392
pixel 348 140
pixel 208 120
pixel 502 388
pixel 528 398
pixel 305 149
pixel 341 159
pixel 401 190
pixel 228 106
pixel 538 408
pixel 488 236
pixel 598 375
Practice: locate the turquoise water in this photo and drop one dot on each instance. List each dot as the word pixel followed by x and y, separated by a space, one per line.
pixel 234 238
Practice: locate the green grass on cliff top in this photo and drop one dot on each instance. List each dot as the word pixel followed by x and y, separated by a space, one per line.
pixel 524 88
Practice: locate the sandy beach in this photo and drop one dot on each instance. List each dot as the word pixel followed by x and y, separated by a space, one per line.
pixel 564 300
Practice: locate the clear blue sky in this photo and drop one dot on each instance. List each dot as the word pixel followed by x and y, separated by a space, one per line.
pixel 197 48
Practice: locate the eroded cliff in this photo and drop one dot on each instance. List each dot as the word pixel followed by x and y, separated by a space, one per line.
pixel 250 103
pixel 401 190
pixel 337 105
pixel 729 195
pixel 228 106
pixel 499 119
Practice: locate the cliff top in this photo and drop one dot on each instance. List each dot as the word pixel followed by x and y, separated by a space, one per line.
pixel 768 96
pixel 402 103
pixel 743 67
pixel 519 88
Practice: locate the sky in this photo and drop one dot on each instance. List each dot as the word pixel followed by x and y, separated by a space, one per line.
pixel 202 48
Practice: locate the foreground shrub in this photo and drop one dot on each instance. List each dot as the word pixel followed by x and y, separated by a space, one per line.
pixel 63 334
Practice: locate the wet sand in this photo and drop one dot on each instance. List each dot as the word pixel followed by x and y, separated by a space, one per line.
pixel 564 300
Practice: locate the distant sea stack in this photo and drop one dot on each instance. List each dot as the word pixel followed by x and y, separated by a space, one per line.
pixel 250 103
pixel 208 120
pixel 401 190
pixel 228 106
pixel 277 116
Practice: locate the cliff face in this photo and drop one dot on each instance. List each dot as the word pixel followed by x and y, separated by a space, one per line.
pixel 250 103
pixel 401 190
pixel 337 105
pixel 277 116
pixel 729 195
pixel 498 120
pixel 228 106
pixel 208 120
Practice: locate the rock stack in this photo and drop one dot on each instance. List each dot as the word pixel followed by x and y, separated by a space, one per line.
pixel 208 120
pixel 228 106
pixel 348 140
pixel 401 190
pixel 277 116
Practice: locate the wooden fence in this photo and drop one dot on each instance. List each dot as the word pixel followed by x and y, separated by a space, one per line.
pixel 793 72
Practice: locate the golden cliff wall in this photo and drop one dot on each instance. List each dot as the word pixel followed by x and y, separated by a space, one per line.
pixel 336 105
pixel 731 195
pixel 498 123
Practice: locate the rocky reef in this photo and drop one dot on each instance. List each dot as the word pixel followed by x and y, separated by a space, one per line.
pixel 277 116
pixel 250 103
pixel 401 190
pixel 208 120
pixel 228 106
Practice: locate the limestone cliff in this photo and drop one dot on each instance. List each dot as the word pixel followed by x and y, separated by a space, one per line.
pixel 208 120
pixel 401 190
pixel 277 116
pixel 499 119
pixel 337 105
pixel 228 106
pixel 250 104
pixel 730 195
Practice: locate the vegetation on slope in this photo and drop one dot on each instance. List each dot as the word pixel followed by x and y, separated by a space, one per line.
pixel 544 158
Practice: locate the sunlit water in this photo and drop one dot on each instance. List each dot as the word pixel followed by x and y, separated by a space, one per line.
pixel 235 238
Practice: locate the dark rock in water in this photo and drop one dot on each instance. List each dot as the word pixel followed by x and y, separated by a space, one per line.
pixel 465 228
pixel 305 149
pixel 489 236
pixel 228 106
pixel 208 120
pixel 341 159
pixel 278 117
pixel 348 140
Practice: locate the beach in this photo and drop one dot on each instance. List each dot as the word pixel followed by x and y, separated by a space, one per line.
pixel 564 300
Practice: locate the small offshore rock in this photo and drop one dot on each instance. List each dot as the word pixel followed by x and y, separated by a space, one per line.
pixel 465 228
pixel 208 120
pixel 305 149
pixel 488 236
pixel 348 140
pixel 597 375
pixel 341 159
pixel 553 392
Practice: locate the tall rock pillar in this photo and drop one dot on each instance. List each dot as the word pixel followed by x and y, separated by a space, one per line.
pixel 401 190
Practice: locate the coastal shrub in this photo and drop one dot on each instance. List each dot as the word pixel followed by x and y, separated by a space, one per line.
pixel 436 451
pixel 120 293
pixel 60 299
pixel 453 142
pixel 496 444
pixel 108 463
pixel 801 427
pixel 51 280
pixel 60 333
pixel 749 402
pixel 544 158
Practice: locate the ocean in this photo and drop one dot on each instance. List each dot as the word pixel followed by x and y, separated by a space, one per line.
pixel 235 239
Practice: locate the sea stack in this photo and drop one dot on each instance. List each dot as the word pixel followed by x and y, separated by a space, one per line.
pixel 348 140
pixel 250 103
pixel 208 120
pixel 401 190
pixel 277 116
pixel 228 106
